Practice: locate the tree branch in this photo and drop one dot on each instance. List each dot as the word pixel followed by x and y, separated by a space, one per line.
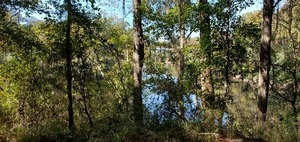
pixel 276 3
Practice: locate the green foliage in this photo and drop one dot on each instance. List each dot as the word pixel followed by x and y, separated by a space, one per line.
pixel 33 86
pixel 52 131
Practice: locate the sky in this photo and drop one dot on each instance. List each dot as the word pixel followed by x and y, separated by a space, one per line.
pixel 257 6
pixel 113 8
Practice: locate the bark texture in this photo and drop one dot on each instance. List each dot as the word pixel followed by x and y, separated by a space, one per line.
pixel 180 62
pixel 138 59
pixel 265 60
pixel 68 50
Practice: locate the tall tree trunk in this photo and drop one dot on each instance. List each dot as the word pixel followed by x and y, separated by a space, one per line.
pixel 227 52
pixel 68 50
pixel 180 61
pixel 138 59
pixel 205 42
pixel 265 61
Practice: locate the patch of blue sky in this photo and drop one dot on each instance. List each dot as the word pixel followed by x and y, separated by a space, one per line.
pixel 114 9
pixel 107 8
pixel 256 6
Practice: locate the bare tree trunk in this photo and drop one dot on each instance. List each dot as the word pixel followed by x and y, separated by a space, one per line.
pixel 68 50
pixel 207 84
pixel 138 59
pixel 227 52
pixel 265 61
pixel 180 61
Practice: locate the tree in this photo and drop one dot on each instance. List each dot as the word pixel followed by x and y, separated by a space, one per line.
pixel 70 73
pixel 265 61
pixel 180 56
pixel 68 50
pixel 285 69
pixel 138 60
pixel 207 84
